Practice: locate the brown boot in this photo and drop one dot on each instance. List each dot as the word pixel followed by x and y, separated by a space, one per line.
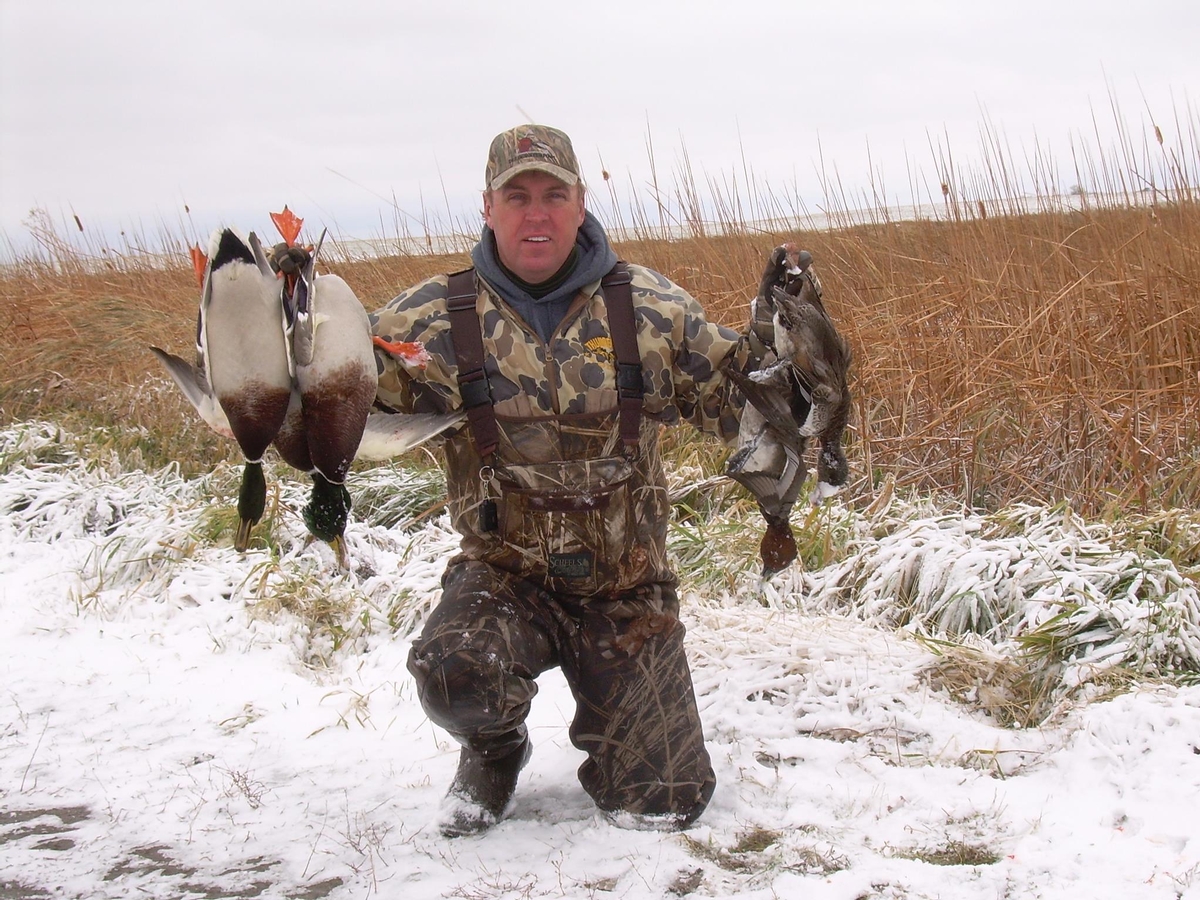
pixel 481 791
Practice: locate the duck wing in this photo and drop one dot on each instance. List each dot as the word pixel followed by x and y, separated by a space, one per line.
pixel 390 434
pixel 768 468
pixel 771 402
pixel 193 383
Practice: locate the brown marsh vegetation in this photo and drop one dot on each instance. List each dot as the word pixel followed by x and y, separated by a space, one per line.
pixel 1011 344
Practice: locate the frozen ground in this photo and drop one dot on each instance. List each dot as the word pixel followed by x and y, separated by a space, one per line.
pixel 163 733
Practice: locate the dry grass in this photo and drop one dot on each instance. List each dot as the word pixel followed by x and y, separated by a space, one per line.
pixel 1016 692
pixel 952 853
pixel 1015 348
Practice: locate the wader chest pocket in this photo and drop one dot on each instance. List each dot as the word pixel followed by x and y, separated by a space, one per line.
pixel 570 519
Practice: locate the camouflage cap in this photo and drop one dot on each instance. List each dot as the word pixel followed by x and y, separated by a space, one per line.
pixel 531 148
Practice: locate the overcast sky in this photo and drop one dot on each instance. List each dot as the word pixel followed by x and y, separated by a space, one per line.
pixel 125 111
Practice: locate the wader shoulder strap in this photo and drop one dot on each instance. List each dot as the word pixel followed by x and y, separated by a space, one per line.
pixel 467 335
pixel 618 298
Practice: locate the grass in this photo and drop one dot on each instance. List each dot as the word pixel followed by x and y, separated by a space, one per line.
pixel 1014 690
pixel 1025 357
pixel 1091 608
pixel 1028 607
pixel 952 853
pixel 742 856
pixel 1024 345
pixel 759 850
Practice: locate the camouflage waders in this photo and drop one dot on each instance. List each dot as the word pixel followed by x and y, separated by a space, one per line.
pixel 564 521
pixel 493 633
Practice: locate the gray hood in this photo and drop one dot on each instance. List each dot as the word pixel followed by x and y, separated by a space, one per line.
pixel 596 257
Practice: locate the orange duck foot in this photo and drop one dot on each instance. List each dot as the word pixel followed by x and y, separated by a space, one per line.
pixel 411 353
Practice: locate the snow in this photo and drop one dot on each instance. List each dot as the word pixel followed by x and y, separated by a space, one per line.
pixel 169 727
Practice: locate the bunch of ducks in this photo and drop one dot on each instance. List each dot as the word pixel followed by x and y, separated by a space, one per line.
pixel 799 392
pixel 286 358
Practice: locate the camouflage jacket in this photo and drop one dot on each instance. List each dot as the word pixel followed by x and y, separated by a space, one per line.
pixel 575 512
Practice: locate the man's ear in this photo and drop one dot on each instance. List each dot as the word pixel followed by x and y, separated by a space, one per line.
pixel 487 208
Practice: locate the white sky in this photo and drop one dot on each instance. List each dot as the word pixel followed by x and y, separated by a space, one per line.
pixel 125 111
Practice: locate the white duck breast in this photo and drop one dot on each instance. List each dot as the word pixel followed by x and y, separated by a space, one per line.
pixel 243 343
pixel 335 374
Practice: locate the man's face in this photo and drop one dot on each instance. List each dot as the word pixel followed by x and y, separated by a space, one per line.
pixel 535 217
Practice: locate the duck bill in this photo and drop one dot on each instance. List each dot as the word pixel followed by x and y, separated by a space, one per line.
pixel 241 540
pixel 340 553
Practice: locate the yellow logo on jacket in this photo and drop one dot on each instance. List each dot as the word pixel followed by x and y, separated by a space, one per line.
pixel 601 347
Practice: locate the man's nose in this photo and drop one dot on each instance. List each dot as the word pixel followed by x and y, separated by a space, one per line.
pixel 537 210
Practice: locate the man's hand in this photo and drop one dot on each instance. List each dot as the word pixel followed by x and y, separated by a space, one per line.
pixel 289 260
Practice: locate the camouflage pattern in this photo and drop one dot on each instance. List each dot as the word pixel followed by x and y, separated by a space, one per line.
pixel 575 572
pixel 530 148
pixel 493 633
pixel 575 514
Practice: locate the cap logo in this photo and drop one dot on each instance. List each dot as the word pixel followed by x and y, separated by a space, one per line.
pixel 529 145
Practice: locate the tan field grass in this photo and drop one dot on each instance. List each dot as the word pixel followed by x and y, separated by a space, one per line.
pixel 1020 346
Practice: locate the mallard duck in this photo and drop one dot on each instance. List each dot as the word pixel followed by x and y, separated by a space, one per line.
pixel 385 435
pixel 330 422
pixel 336 381
pixel 250 385
pixel 241 383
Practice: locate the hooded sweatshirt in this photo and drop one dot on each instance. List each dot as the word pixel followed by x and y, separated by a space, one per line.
pixel 594 258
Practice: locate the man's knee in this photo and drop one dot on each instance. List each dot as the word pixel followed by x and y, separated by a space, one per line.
pixel 470 690
pixel 476 660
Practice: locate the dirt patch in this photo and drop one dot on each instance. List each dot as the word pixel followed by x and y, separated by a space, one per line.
pixel 156 867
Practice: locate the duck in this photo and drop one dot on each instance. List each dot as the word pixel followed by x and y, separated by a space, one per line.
pixel 799 392
pixel 769 460
pixel 782 268
pixel 291 365
pixel 330 421
pixel 241 383
pixel 335 388
pixel 820 360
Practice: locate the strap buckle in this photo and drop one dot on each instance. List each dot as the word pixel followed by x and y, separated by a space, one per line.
pixel 619 275
pixel 630 384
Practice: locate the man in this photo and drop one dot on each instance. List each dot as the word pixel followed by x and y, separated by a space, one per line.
pixel 557 488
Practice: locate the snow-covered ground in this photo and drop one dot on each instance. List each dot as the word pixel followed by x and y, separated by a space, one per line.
pixel 170 727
